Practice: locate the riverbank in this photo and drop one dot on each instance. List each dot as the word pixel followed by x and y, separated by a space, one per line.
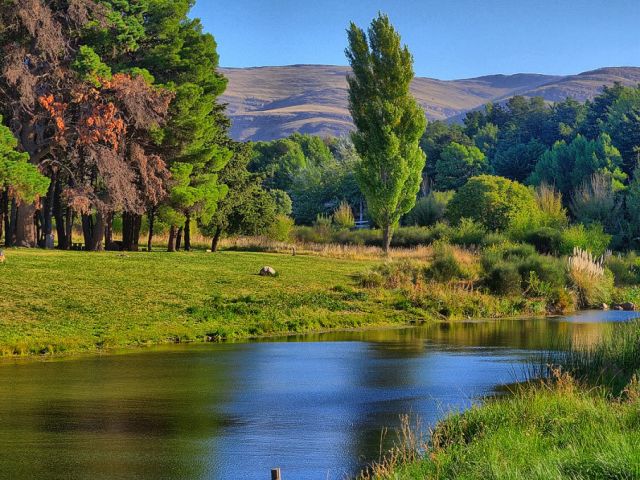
pixel 581 423
pixel 79 302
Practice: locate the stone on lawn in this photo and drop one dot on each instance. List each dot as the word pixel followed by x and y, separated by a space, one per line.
pixel 267 272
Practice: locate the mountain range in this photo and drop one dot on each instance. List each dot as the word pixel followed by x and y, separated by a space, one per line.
pixel 266 103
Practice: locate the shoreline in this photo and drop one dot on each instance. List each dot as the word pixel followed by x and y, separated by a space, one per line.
pixel 62 304
pixel 266 338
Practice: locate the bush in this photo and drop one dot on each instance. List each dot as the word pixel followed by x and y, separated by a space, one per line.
pixel 548 214
pixel 412 237
pixel 500 262
pixel 445 266
pixel 625 269
pixel 309 235
pixel 592 239
pixel 595 201
pixel 281 229
pixel 369 238
pixel 322 226
pixel 510 252
pixel 493 239
pixel 468 232
pixel 491 201
pixel 545 239
pixel 429 210
pixel 549 270
pixel 550 207
pixel 403 273
pixel 503 279
pixel 370 279
pixel 343 217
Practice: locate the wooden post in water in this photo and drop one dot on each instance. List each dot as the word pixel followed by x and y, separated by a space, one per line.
pixel 275 474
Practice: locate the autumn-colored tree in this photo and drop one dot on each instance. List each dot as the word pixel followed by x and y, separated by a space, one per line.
pixel 90 131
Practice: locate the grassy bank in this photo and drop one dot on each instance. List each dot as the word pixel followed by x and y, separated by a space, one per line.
pixel 60 301
pixel 70 302
pixel 77 301
pixel 582 423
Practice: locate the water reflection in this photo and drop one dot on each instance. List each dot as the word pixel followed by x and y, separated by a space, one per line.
pixel 312 405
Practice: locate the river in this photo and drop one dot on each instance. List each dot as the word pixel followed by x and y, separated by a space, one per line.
pixel 312 405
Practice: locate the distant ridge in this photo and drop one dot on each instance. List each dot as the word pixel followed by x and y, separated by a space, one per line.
pixel 265 103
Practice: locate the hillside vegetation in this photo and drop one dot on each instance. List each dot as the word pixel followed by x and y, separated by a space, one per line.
pixel 267 103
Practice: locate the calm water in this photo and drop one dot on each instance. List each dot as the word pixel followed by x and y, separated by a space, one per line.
pixel 313 405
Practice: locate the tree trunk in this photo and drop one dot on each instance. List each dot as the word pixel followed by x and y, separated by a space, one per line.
pixel 4 212
pixel 187 233
pixel 386 238
pixel 87 230
pixel 97 235
pixel 108 230
pixel 58 214
pixel 69 221
pixel 131 223
pixel 26 226
pixel 47 215
pixel 179 238
pixel 216 239
pixel 152 217
pixel 39 219
pixel 171 247
pixel 12 219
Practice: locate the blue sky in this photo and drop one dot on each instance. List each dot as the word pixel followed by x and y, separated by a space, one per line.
pixel 448 38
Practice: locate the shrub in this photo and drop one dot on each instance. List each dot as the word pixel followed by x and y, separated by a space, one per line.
pixel 592 239
pixel 500 262
pixel 545 239
pixel 322 226
pixel 429 210
pixel 370 279
pixel 592 283
pixel 625 269
pixel 548 213
pixel 503 279
pixel 510 252
pixel 491 201
pixel 305 234
pixel 468 232
pixel 440 231
pixel 411 237
pixel 401 274
pixel 281 229
pixel 549 270
pixel 493 239
pixel 343 217
pixel 445 266
pixel 550 206
pixel 595 201
pixel 369 238
pixel 415 236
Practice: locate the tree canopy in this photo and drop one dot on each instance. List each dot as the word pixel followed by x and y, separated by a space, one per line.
pixel 389 122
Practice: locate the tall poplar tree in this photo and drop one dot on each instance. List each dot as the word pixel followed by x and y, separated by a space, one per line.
pixel 388 120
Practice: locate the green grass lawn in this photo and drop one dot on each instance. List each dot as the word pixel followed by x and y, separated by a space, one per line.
pixel 54 301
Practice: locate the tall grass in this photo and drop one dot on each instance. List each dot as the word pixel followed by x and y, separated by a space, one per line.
pixel 592 282
pixel 610 363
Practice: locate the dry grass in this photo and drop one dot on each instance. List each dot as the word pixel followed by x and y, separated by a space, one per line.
pixel 349 252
